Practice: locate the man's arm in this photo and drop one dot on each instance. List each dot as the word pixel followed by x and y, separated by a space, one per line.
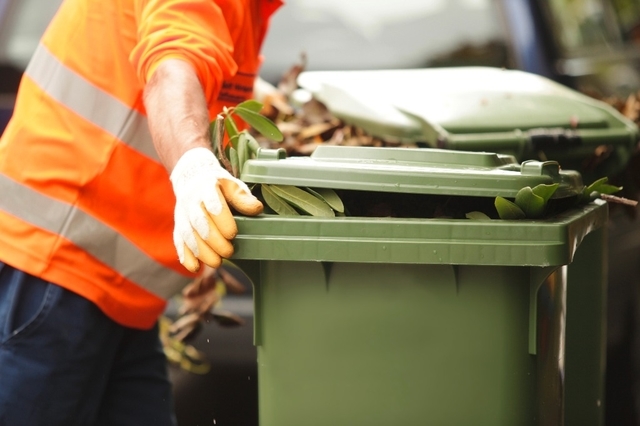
pixel 177 111
pixel 179 124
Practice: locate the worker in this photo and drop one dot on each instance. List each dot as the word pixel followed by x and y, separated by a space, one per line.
pixel 111 200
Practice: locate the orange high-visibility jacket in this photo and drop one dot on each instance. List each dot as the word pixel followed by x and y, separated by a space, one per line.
pixel 84 200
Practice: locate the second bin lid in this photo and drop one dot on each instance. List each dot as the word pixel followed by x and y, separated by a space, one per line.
pixel 433 105
pixel 409 170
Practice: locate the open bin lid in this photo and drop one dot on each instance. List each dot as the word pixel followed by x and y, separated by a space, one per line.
pixel 409 170
pixel 473 108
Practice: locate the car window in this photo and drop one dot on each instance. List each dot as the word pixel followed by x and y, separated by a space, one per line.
pixel 627 12
pixel 582 24
pixel 588 26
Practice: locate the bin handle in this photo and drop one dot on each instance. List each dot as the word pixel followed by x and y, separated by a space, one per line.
pixel 536 279
pixel 251 268
pixel 523 142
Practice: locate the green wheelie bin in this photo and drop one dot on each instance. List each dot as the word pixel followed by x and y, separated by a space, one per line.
pixel 406 312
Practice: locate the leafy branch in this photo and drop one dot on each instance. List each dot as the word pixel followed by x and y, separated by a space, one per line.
pixel 242 145
pixel 532 203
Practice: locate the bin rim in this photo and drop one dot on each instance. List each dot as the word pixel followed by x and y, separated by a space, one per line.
pixel 548 242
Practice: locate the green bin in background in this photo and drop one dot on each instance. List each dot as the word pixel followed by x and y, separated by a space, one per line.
pixel 368 320
pixel 481 109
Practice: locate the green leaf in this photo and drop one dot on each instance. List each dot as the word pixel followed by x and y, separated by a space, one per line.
pixel 591 188
pixel 232 130
pixel 262 124
pixel 251 105
pixel 508 210
pixel 545 191
pixel 276 203
pixel 233 142
pixel 243 151
pixel 598 187
pixel 233 159
pixel 329 196
pixel 604 188
pixel 477 216
pixel 531 204
pixel 227 150
pixel 213 131
pixel 303 200
pixel 608 189
pixel 253 144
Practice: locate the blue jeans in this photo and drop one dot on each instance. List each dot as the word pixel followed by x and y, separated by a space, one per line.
pixel 63 362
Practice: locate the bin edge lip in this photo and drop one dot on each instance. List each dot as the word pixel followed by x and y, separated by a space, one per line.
pixel 429 241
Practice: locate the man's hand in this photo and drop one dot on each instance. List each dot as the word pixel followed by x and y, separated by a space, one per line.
pixel 204 225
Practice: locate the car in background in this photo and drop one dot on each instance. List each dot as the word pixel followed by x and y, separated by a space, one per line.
pixel 591 45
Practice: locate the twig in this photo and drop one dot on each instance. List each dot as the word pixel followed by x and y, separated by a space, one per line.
pixel 218 138
pixel 619 200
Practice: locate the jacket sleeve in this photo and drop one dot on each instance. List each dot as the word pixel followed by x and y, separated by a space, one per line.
pixel 194 31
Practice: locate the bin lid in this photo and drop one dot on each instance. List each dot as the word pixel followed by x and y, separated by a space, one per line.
pixel 409 170
pixel 412 240
pixel 440 105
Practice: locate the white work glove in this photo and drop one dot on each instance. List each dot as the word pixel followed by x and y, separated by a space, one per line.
pixel 204 225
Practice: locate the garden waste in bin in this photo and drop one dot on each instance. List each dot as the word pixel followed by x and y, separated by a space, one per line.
pixel 411 319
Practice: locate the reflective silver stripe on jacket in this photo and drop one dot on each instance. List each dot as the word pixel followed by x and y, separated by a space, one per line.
pixel 96 238
pixel 90 102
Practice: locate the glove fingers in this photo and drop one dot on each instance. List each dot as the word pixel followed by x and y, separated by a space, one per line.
pixel 218 242
pixel 224 222
pixel 206 254
pixel 240 197
pixel 189 261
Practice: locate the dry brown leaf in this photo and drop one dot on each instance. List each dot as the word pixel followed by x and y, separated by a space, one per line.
pixel 226 318
pixel 288 128
pixel 631 107
pixel 275 104
pixel 289 81
pixel 231 282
